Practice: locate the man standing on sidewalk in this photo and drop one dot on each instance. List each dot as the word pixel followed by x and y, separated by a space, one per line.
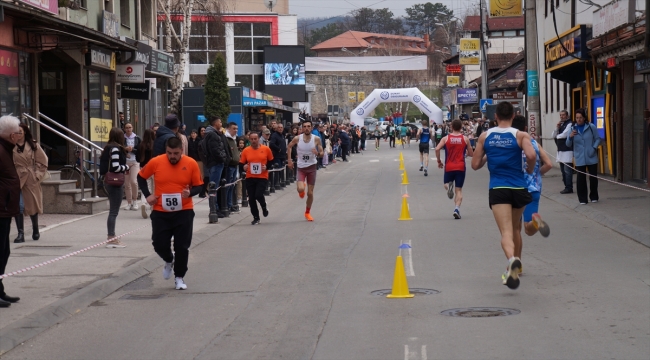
pixel 9 194
pixel 176 179
pixel 279 148
pixel 344 138
pixel 231 138
pixel 215 149
pixel 564 152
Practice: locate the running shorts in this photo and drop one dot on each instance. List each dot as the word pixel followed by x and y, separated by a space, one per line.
pixel 532 208
pixel 518 198
pixel 424 148
pixel 307 174
pixel 457 176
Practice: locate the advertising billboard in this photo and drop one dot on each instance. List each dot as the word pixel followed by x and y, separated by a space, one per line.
pixel 284 72
pixel 469 52
pixel 467 96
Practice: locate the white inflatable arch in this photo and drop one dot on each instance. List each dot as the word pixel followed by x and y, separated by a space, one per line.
pixel 379 96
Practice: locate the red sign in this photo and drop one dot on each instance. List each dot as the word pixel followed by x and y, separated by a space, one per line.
pixel 454 68
pixel 8 63
pixel 611 62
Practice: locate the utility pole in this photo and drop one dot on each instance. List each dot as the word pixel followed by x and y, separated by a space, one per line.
pixel 484 70
pixel 532 74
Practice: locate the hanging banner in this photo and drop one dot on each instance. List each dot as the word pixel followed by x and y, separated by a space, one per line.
pixel 505 8
pixel 453 81
pixel 469 52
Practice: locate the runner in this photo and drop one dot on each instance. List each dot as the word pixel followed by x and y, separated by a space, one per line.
pixel 532 220
pixel 508 196
pixel 424 135
pixel 456 147
pixel 308 148
pixel 255 158
pixel 403 134
pixel 377 135
pixel 176 179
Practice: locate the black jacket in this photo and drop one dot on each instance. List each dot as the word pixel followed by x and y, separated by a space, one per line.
pixel 216 146
pixel 345 138
pixel 9 182
pixel 561 143
pixel 162 134
pixel 278 146
pixel 364 134
pixel 193 148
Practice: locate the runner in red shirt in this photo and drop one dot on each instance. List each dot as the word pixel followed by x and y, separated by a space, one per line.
pixel 456 147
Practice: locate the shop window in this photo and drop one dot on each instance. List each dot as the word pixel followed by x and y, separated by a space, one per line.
pixel 261 29
pixel 259 43
pixel 249 48
pixel 198 28
pixel 125 13
pixel 244 80
pixel 212 56
pixel 52 80
pixel 522 32
pixel 242 29
pixel 496 33
pixel 198 43
pixel 510 33
pixel 243 44
pixel 198 57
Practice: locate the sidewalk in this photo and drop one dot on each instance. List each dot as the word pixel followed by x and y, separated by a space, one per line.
pixel 621 208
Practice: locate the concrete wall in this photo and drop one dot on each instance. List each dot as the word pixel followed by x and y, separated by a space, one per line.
pixel 288 30
pixel 281 6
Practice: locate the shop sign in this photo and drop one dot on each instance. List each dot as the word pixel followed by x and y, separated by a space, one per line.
pixel 8 63
pixel 509 8
pixel 110 24
pixel 161 63
pixel 142 54
pixel 136 91
pixel 507 95
pixel 454 68
pixel 642 66
pixel 253 102
pixel 100 58
pixel 99 129
pixel 566 48
pixel 469 52
pixel 246 92
pixel 515 76
pixel 611 62
pixel 51 6
pixel 453 81
pixel 352 96
pixel 132 73
pixel 613 15
pixel 361 96
pixel 467 96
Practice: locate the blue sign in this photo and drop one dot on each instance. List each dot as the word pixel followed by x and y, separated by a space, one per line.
pixel 467 96
pixel 532 79
pixel 201 118
pixel 483 103
pixel 598 114
pixel 253 102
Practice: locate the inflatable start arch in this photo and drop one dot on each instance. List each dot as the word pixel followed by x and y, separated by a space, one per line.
pixel 379 96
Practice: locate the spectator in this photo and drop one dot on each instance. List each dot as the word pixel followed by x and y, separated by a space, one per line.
pixel 215 151
pixel 344 139
pixel 155 127
pixel 9 194
pixel 145 150
pixel 278 146
pixel 585 140
pixel 266 136
pixel 233 165
pixel 31 165
pixel 132 141
pixel 356 136
pixel 165 132
pixel 564 152
pixel 113 160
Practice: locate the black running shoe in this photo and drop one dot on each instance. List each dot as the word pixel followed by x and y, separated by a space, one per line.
pixel 265 212
pixel 421 168
pixel 255 221
pixel 512 275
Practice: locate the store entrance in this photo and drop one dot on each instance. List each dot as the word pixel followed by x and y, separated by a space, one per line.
pixel 53 103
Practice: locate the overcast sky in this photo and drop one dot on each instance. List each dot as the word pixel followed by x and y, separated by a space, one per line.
pixel 329 8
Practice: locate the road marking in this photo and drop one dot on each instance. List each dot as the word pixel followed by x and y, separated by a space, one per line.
pixel 424 352
pixel 434 158
pixel 408 355
pixel 408 258
pixel 374 160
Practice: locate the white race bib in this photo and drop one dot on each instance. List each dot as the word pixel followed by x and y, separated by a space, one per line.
pixel 306 158
pixel 256 168
pixel 172 202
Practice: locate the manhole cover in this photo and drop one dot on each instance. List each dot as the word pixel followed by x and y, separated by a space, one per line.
pixel 44 246
pixel 142 297
pixel 418 291
pixel 480 312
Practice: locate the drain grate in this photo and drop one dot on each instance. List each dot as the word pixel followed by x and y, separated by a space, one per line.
pixel 419 291
pixel 142 297
pixel 480 312
pixel 44 246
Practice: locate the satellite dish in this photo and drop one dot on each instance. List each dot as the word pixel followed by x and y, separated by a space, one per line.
pixel 270 4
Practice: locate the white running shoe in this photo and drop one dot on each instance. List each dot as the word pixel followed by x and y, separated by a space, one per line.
pixel 167 269
pixel 143 211
pixel 128 206
pixel 180 284
pixel 450 190
pixel 134 207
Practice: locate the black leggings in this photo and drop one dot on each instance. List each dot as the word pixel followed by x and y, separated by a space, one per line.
pixel 255 188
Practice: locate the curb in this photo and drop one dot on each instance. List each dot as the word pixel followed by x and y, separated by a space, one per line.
pixel 32 325
pixel 631 231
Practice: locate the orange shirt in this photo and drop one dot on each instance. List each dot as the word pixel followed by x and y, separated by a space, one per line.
pixel 255 158
pixel 170 180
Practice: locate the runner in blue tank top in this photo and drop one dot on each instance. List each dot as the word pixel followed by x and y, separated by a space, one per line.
pixel 508 195
pixel 424 135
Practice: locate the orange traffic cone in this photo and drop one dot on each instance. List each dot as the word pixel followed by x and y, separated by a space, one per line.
pixel 405 214
pixel 400 285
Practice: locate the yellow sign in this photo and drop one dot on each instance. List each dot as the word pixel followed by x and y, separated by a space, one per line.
pixel 453 81
pixel 361 95
pixel 99 129
pixel 352 96
pixel 469 52
pixel 505 8
pixel 469 44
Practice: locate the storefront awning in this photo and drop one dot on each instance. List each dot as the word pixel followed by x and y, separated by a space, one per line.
pixel 258 103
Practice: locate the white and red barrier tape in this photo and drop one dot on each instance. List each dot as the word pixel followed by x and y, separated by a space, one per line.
pixel 103 242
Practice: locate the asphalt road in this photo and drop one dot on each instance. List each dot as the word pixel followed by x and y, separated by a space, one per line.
pixel 289 289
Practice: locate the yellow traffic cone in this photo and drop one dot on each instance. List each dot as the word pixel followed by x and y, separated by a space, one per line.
pixel 401 157
pixel 401 164
pixel 405 214
pixel 405 178
pixel 400 285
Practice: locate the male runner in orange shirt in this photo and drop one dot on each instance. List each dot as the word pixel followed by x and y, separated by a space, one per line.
pixel 255 158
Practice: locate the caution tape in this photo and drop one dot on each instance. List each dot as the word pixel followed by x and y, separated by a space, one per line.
pixel 596 176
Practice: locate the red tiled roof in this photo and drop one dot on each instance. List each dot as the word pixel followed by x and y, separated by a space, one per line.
pixel 362 40
pixel 473 23
pixel 497 61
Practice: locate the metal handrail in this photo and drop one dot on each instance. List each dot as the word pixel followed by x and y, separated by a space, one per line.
pixel 92 144
pixel 81 177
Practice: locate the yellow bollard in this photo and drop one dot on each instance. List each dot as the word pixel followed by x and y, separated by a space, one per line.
pixel 405 178
pixel 401 164
pixel 400 284
pixel 405 214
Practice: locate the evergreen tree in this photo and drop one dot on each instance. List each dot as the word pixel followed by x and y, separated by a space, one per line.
pixel 217 96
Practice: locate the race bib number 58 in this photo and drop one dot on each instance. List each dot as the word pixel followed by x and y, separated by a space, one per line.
pixel 256 168
pixel 172 202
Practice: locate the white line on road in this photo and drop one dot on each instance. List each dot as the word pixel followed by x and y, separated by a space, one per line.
pixel 374 160
pixel 408 355
pixel 424 352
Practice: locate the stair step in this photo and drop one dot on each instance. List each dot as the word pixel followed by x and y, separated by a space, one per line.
pixel 60 184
